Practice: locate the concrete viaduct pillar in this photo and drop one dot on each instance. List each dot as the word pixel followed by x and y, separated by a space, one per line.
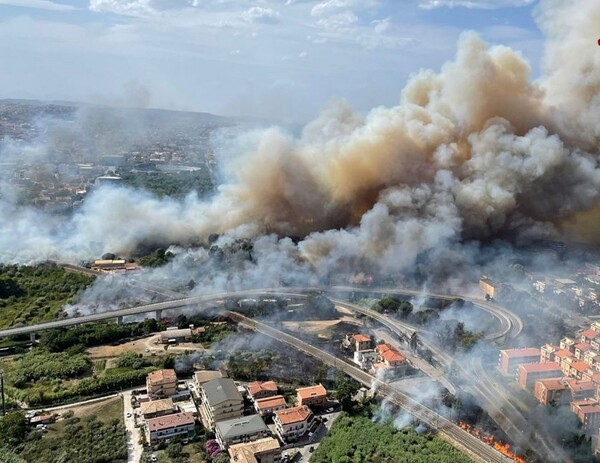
pixel 120 320
pixel 32 338
pixel 158 315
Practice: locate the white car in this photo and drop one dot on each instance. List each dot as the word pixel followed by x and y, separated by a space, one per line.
pixel 153 458
pixel 329 410
pixel 128 415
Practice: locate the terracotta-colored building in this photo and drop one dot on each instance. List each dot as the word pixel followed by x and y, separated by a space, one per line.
pixel 510 359
pixel 312 396
pixel 261 389
pixel 528 374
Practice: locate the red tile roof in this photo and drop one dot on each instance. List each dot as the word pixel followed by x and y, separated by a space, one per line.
pixel 162 376
pixel 170 421
pixel 553 384
pixel 539 367
pixel 580 366
pixel 580 386
pixel 583 346
pixel 270 402
pixel 524 352
pixel 589 333
pixel 361 338
pixel 260 386
pixel 312 391
pixel 393 356
pixel 293 415
pixel 563 353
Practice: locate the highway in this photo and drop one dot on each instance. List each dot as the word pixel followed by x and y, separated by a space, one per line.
pixel 474 447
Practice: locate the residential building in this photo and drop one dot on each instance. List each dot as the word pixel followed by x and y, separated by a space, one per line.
pixel 269 405
pixel 588 335
pixel 313 396
pixel 588 412
pixel 528 374
pixel 204 376
pixel 157 408
pixel 294 422
pixel 547 352
pixel 577 369
pixel 241 429
pixel 389 360
pixel 581 348
pixel 510 359
pixel 168 426
pixel 364 359
pixel 261 389
pixel 266 450
pixel 568 344
pixel 580 390
pixel 549 391
pixel 361 342
pixel 161 383
pixel 220 400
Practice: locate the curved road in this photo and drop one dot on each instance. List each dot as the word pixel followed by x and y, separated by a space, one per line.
pixel 511 324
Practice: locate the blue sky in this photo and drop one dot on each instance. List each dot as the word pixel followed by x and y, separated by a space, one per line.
pixel 279 59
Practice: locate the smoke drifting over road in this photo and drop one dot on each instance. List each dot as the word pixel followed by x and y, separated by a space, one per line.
pixel 475 152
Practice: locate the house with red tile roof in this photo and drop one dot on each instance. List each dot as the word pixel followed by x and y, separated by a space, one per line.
pixel 261 389
pixel 269 405
pixel 312 396
pixel 292 423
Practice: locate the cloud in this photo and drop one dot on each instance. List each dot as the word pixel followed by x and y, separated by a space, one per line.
pixel 258 14
pixel 123 7
pixel 330 7
pixel 483 4
pixel 39 4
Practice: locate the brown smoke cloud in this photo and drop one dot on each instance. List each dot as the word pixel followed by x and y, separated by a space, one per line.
pixel 476 151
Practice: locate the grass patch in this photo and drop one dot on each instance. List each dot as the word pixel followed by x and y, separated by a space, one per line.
pixel 359 439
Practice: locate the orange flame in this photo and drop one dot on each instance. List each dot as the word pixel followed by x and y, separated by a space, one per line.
pixel 504 449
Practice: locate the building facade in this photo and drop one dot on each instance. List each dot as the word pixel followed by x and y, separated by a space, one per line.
pixel 293 423
pixel 220 400
pixel 169 426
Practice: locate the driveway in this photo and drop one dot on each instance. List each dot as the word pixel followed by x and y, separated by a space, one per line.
pixel 134 448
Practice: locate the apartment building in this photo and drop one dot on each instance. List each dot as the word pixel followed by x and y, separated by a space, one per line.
pixel 292 423
pixel 220 400
pixel 510 359
pixel 169 426
pixel 161 384
pixel 528 374
pixel 241 429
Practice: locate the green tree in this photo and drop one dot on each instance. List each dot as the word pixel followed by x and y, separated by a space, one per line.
pixel 13 428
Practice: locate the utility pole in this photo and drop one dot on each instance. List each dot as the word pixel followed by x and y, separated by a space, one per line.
pixel 2 391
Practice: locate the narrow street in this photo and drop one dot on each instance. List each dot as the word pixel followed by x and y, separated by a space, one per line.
pixel 134 448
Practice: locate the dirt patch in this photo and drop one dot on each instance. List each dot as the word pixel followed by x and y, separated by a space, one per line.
pixel 145 346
